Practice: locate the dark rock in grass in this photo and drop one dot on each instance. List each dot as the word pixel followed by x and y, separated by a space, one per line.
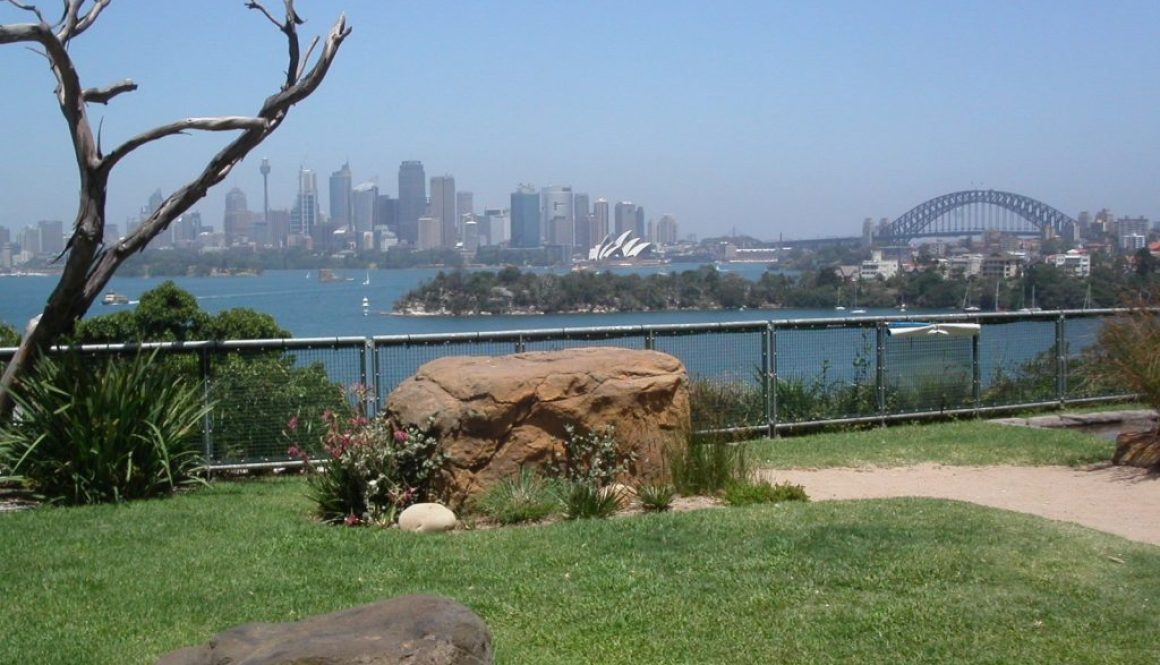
pixel 416 630
pixel 1140 449
pixel 496 415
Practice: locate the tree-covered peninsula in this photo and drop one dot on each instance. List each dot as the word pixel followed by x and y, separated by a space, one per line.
pixel 510 291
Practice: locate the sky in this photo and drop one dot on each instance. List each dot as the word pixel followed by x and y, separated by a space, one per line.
pixel 765 118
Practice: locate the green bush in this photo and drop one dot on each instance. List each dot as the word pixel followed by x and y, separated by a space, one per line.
pixel 706 463
pixel 584 500
pixel 118 431
pixel 370 470
pixel 525 497
pixel 592 457
pixel 656 498
pixel 749 492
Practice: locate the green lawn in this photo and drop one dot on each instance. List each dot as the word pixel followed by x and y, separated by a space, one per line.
pixel 967 442
pixel 898 581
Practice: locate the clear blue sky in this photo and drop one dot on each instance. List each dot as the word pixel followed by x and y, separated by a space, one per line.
pixel 799 118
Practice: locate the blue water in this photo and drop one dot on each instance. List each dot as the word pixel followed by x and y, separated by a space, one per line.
pixel 310 308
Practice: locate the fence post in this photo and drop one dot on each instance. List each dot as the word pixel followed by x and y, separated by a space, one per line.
pixel 1061 360
pixel 650 339
pixel 369 392
pixel 207 419
pixel 976 372
pixel 520 344
pixel 769 377
pixel 880 368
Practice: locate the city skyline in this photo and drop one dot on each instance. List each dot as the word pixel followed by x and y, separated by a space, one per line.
pixel 767 118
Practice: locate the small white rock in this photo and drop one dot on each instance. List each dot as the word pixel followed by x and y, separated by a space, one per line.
pixel 427 518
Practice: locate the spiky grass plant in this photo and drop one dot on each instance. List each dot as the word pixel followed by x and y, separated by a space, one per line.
pixel 525 497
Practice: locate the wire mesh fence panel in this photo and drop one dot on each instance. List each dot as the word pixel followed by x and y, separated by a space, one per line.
pixel 1081 338
pixel 928 373
pixel 825 373
pixel 725 373
pixel 257 392
pixel 395 362
pixel 579 339
pixel 1017 362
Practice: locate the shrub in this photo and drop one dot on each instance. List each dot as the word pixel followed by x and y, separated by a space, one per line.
pixel 591 457
pixel 1129 355
pixel 584 499
pixel 119 431
pixel 656 498
pixel 706 463
pixel 748 492
pixel 371 469
pixel 525 497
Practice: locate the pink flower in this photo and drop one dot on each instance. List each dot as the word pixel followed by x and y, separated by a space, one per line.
pixel 293 424
pixel 352 520
pixel 401 436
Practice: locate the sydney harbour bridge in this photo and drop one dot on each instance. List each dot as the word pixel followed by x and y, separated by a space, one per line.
pixel 958 214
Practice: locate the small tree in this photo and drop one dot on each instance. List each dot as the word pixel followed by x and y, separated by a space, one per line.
pixel 88 262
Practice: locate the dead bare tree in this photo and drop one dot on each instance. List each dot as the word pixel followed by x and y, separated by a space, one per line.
pixel 88 262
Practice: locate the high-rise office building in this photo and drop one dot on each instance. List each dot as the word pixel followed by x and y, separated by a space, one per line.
pixel 363 200
pixel 525 217
pixel 51 237
pixel 625 212
pixel 412 200
pixel 340 194
pixel 443 208
pixel 304 216
pixel 639 227
pixel 430 233
pixel 464 206
pixel 556 215
pixel 581 222
pixel 599 221
pixel 387 212
pixel 236 222
pixel 666 233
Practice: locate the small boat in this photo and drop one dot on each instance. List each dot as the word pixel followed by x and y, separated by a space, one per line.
pixel 366 306
pixel 839 308
pixel 367 281
pixel 114 298
pixel 858 311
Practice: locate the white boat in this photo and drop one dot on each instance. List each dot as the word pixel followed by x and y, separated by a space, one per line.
pixel 367 281
pixel 114 298
pixel 366 306
pixel 912 328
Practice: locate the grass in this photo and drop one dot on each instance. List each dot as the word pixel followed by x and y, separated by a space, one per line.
pixel 968 442
pixel 891 581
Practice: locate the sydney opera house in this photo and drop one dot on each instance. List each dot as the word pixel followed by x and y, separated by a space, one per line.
pixel 624 246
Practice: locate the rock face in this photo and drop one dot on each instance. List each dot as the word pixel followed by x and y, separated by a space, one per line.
pixel 416 630
pixel 427 518
pixel 494 415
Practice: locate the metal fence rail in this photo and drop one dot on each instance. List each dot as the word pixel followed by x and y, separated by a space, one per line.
pixel 761 377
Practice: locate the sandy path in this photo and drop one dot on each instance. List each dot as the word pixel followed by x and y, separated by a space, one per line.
pixel 1120 500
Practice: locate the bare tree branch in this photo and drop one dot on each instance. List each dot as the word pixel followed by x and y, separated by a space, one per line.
pixel 103 95
pixel 21 32
pixel 254 4
pixel 221 124
pixel 306 58
pixel 74 23
pixel 28 8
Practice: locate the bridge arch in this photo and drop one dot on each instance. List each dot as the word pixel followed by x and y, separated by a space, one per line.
pixel 919 220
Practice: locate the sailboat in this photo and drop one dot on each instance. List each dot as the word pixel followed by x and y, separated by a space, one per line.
pixel 967 306
pixel 857 309
pixel 367 281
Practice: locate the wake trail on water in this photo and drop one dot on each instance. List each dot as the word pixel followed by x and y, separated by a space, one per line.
pixel 223 296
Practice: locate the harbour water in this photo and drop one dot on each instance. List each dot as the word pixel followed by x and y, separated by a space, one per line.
pixel 309 307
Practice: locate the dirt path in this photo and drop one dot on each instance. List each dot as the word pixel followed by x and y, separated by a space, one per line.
pixel 1120 500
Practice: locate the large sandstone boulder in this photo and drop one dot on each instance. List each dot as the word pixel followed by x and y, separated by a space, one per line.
pixel 416 630
pixel 494 415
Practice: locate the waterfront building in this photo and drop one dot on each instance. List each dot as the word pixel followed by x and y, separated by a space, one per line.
pixel 340 197
pixel 1127 228
pixel 412 200
pixel 876 267
pixel 525 218
pixel 1073 263
pixel 496 228
pixel 442 208
pixel 965 265
pixel 470 234
pixel 1008 265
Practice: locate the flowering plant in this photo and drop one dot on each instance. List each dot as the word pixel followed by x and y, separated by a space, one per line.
pixel 368 470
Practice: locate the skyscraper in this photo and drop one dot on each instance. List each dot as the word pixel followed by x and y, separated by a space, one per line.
pixel 525 214
pixel 304 216
pixel 340 190
pixel 412 200
pixel 464 206
pixel 556 215
pixel 625 217
pixel 667 230
pixel 362 213
pixel 236 222
pixel 581 222
pixel 599 221
pixel 443 208
pixel 51 237
pixel 266 237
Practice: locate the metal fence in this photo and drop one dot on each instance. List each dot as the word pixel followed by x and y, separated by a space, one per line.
pixel 761 377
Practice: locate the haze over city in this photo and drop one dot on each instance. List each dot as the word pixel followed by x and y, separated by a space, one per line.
pixel 798 119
